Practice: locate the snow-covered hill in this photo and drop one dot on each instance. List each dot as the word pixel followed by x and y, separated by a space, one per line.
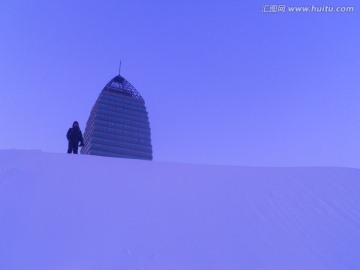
pixel 65 212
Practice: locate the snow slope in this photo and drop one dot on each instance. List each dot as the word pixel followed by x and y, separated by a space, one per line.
pixel 66 212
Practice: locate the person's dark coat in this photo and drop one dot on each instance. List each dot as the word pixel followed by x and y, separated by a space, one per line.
pixel 74 136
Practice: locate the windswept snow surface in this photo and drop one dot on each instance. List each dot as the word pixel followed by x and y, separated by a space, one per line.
pixel 68 212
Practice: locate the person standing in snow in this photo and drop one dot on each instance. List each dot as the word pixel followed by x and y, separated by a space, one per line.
pixel 74 136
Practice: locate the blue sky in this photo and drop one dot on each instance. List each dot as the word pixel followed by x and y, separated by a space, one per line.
pixel 223 82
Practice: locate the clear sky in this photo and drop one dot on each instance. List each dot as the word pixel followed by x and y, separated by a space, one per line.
pixel 224 83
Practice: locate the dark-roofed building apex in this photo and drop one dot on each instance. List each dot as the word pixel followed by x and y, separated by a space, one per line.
pixel 120 85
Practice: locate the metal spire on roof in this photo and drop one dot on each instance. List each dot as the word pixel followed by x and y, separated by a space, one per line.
pixel 119 67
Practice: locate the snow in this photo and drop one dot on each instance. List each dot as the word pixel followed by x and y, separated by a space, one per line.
pixel 68 212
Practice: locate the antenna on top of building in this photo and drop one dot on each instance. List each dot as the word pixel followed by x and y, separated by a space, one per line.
pixel 119 67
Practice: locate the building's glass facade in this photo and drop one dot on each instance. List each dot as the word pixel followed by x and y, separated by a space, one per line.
pixel 118 125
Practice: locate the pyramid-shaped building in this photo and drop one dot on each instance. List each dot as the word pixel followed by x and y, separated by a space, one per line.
pixel 118 125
